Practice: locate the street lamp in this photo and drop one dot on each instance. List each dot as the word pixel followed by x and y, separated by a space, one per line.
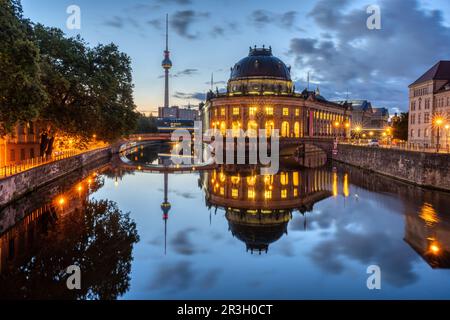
pixel 358 130
pixel 447 127
pixel 336 125
pixel 438 123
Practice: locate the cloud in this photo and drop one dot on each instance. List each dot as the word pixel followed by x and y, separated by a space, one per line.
pixel 115 22
pixel 182 73
pixel 156 23
pixel 216 82
pixel 373 64
pixel 174 277
pixel 182 243
pixel 263 18
pixel 182 22
pixel 189 96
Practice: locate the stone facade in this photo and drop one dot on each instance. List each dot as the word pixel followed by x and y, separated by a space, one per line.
pixel 429 99
pixel 424 169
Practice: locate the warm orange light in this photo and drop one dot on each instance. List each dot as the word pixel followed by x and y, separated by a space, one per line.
pixel 80 188
pixel 336 124
pixel 61 201
pixel 439 121
pixel 89 180
pixel 140 138
pixel 358 129
pixel 364 135
pixel 434 248
pixel 94 136
pixel 347 125
pixel 447 126
pixel 371 133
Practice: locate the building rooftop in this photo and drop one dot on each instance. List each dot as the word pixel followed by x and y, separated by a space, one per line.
pixel 260 63
pixel 440 71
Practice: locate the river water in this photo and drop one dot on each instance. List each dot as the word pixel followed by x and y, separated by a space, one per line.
pixel 226 233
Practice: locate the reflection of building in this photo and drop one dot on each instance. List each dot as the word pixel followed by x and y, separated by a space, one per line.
pixel 429 97
pixel 261 95
pixel 428 233
pixel 21 145
pixel 258 208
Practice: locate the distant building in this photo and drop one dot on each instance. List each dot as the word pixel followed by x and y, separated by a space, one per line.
pixel 176 112
pixel 367 117
pixel 380 118
pixel 429 99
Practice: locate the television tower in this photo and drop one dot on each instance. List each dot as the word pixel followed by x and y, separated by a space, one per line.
pixel 167 65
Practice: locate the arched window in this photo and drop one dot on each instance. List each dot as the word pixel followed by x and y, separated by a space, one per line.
pixel 284 179
pixel 285 129
pixel 297 129
pixel 223 128
pixel 252 128
pixel 270 126
pixel 236 126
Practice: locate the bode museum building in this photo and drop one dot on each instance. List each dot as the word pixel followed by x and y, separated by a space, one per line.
pixel 261 95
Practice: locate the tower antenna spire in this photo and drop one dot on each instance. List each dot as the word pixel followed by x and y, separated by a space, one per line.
pixel 167 32
pixel 167 65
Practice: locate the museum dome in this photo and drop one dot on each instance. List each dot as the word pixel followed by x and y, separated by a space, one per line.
pixel 260 73
pixel 260 63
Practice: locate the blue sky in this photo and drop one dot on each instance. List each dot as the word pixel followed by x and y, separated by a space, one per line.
pixel 329 38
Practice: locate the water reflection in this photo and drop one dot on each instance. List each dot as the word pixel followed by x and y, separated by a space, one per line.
pixel 71 229
pixel 331 221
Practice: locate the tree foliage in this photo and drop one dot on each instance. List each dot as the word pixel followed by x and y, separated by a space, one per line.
pixel 21 92
pixel 146 124
pixel 90 89
pixel 80 90
pixel 400 126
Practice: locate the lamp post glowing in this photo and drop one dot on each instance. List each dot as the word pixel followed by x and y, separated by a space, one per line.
pixel 336 125
pixel 438 122
pixel 358 130
pixel 447 127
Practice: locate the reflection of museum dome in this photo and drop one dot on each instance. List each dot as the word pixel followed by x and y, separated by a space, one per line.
pixel 258 231
pixel 260 63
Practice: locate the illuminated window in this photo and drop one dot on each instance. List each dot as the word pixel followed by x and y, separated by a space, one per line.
pixel 285 129
pixel 284 178
pixel 235 179
pixel 251 194
pixel 236 111
pixel 215 112
pixel 297 112
pixel 252 111
pixel 295 179
pixel 223 128
pixel 297 129
pixel 234 193
pixel 236 126
pixel 284 194
pixel 268 194
pixel 270 126
pixel 268 180
pixel 252 128
pixel 222 112
pixel 222 191
pixel 285 111
pixel 251 181
pixel 295 193
pixel 269 111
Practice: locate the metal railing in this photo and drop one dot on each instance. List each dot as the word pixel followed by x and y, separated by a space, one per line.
pixel 24 165
pixel 443 148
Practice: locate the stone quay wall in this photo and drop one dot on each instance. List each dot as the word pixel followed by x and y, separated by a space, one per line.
pixel 424 169
pixel 16 186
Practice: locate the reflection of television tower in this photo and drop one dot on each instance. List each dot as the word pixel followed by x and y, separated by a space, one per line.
pixel 167 65
pixel 165 207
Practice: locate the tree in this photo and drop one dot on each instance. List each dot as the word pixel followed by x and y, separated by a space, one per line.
pixel 400 126
pixel 21 91
pixel 90 89
pixel 146 124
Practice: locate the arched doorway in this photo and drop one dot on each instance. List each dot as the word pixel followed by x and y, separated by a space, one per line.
pixel 297 129
pixel 252 128
pixel 270 126
pixel 285 129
